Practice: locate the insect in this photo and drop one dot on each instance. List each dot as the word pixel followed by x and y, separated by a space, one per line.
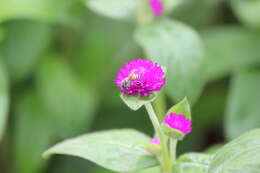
pixel 127 82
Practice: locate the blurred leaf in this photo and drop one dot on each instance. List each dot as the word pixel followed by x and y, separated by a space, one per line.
pixel 170 4
pixel 127 9
pixel 213 149
pixel 71 102
pixel 136 102
pixel 43 10
pixel 114 149
pixel 180 49
pixel 149 170
pixel 247 11
pixel 2 34
pixel 64 164
pixel 243 109
pixel 4 99
pixel 117 9
pixel 189 11
pixel 239 153
pixel 99 48
pixel 192 163
pixel 211 104
pixel 32 134
pixel 207 119
pixel 247 169
pixel 229 48
pixel 23 47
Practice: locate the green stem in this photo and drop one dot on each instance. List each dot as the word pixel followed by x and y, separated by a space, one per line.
pixel 166 161
pixel 173 145
pixel 144 15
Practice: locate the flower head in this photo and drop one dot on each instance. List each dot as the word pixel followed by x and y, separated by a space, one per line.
pixel 178 122
pixel 140 76
pixel 157 7
pixel 155 141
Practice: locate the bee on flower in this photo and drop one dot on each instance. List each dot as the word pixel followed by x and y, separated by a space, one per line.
pixel 140 77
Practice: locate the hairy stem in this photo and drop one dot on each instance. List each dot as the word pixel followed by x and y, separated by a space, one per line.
pixel 166 161
pixel 173 145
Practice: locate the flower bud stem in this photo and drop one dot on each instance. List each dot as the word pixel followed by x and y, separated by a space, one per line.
pixel 173 145
pixel 166 161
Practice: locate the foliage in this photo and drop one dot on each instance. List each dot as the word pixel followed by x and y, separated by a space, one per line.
pixel 58 59
pixel 121 154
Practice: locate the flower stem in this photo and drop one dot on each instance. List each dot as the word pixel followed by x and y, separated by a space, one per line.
pixel 144 15
pixel 173 145
pixel 166 161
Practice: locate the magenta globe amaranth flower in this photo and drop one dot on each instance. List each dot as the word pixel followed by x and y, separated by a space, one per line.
pixel 178 122
pixel 157 7
pixel 140 77
pixel 155 141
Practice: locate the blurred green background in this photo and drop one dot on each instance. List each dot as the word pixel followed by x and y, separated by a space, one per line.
pixel 58 60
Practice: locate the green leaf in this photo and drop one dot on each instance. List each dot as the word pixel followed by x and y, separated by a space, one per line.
pixel 113 149
pixel 136 102
pixel 71 102
pixel 214 148
pixel 127 9
pixel 33 131
pixel 228 49
pixel 181 108
pixel 149 170
pixel 247 11
pixel 239 153
pixel 2 34
pixel 4 99
pixel 179 48
pixel 29 43
pixel 170 4
pixel 110 52
pixel 243 107
pixel 44 10
pixel 247 169
pixel 117 9
pixel 192 163
pixel 189 12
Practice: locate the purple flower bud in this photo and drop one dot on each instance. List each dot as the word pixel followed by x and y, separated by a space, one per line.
pixel 155 141
pixel 157 7
pixel 178 122
pixel 140 76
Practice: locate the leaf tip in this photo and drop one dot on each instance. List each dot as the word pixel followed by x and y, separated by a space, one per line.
pixel 46 155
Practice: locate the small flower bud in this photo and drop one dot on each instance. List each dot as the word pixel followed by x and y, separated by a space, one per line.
pixel 153 146
pixel 157 7
pixel 155 141
pixel 176 125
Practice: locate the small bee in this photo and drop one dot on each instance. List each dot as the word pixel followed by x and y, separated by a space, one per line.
pixel 127 82
pixel 133 76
